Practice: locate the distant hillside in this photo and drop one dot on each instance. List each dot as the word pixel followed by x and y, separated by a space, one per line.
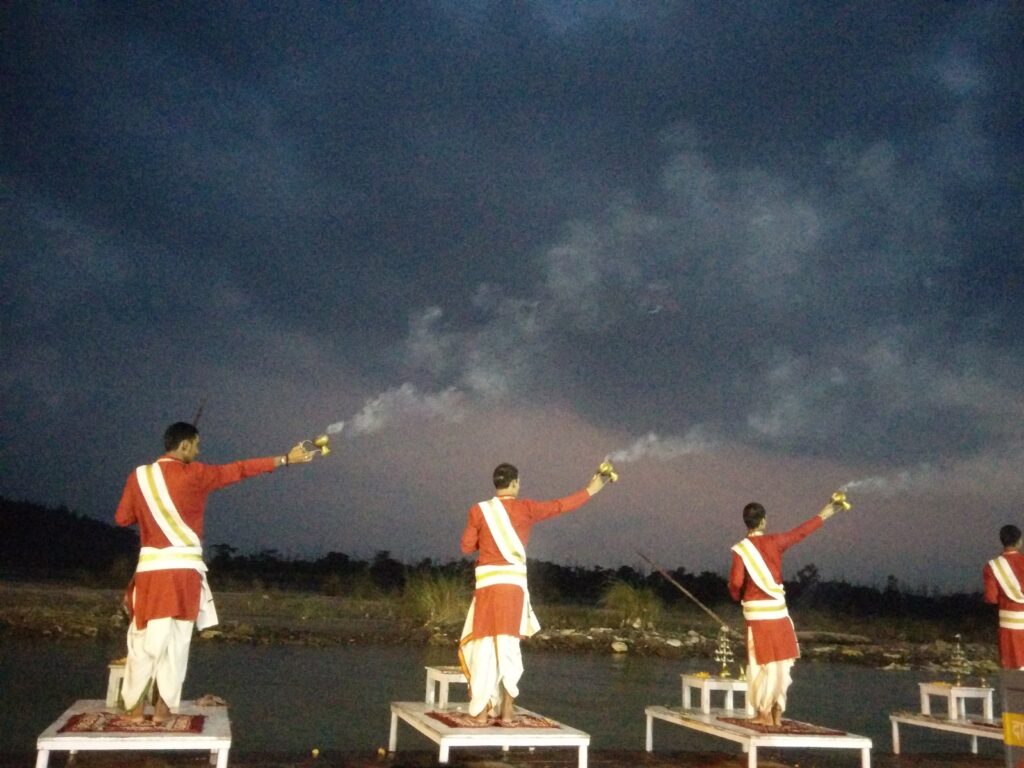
pixel 37 541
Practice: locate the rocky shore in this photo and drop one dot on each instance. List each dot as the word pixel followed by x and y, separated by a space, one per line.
pixel 68 613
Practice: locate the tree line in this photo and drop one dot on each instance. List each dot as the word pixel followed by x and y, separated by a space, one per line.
pixel 41 543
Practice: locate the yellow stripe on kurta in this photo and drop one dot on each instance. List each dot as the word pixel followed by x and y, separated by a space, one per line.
pixel 762 608
pixel 153 557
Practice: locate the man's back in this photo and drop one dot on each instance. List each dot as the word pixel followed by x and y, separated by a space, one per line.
pixel 522 513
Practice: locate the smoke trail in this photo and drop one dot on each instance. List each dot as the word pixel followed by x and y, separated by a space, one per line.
pixel 654 447
pixel 402 403
pixel 889 485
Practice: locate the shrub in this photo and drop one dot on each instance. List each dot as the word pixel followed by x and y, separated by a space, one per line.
pixel 436 599
pixel 638 607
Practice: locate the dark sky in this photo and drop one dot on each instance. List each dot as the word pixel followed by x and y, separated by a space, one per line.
pixel 755 251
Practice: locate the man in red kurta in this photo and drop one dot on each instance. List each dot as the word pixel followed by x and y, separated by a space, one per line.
pixel 756 580
pixel 169 593
pixel 500 614
pixel 1003 577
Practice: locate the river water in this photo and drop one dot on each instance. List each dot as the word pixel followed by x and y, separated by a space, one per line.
pixel 294 698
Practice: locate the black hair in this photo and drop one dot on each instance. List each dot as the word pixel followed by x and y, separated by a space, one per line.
pixel 1009 535
pixel 177 433
pixel 753 514
pixel 504 474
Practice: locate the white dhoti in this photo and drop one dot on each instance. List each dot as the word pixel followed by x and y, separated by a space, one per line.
pixel 767 683
pixel 158 653
pixel 490 664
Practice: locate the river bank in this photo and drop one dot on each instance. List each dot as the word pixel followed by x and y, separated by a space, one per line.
pixel 70 612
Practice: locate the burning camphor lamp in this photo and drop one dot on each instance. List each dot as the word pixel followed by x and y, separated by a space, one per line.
pixel 607 470
pixel 839 499
pixel 320 444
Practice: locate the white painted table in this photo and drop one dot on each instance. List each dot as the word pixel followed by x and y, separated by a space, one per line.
pixel 751 739
pixel 438 680
pixel 956 697
pixel 215 737
pixel 989 729
pixel 706 684
pixel 414 713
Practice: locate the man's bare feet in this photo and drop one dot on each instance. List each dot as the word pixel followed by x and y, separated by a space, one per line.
pixel 763 718
pixel 776 714
pixel 508 710
pixel 137 713
pixel 482 717
pixel 161 713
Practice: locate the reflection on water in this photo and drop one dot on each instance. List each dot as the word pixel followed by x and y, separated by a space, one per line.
pixel 295 698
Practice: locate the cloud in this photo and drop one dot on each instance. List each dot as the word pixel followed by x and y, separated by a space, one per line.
pixel 562 216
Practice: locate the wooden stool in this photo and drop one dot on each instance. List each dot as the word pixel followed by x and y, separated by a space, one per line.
pixel 706 683
pixel 956 697
pixel 438 679
pixel 114 681
pixel 116 678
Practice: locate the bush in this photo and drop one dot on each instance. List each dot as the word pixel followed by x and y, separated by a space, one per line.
pixel 638 607
pixel 435 599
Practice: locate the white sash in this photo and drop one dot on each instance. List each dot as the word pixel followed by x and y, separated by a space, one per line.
pixel 161 507
pixel 761 610
pixel 1007 579
pixel 505 536
pixel 512 549
pixel 185 551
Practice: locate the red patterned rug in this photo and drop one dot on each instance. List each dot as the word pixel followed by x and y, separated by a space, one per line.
pixel 113 722
pixel 788 727
pixel 463 720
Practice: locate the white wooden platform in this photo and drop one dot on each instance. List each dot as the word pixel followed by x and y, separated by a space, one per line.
pixel 215 737
pixel 966 727
pixel 749 738
pixel 415 714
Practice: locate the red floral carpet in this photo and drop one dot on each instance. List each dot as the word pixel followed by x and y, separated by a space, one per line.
pixel 462 720
pixel 112 722
pixel 788 727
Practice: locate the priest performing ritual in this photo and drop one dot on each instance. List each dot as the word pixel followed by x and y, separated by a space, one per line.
pixel 500 614
pixel 169 593
pixel 1003 577
pixel 756 580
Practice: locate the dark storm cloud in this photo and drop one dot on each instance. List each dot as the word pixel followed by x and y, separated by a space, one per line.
pixel 792 227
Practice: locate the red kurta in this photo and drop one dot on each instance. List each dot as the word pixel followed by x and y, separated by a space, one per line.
pixel 175 593
pixel 1011 641
pixel 774 639
pixel 499 608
